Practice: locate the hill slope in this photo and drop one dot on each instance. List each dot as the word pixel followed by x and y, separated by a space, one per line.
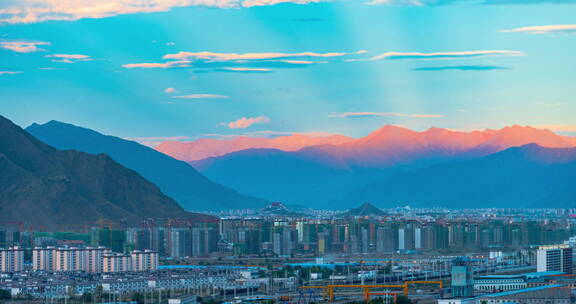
pixel 177 179
pixel 43 186
pixel 527 176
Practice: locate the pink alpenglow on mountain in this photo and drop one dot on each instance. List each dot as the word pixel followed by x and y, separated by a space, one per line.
pixel 206 147
pixel 516 135
pixel 389 145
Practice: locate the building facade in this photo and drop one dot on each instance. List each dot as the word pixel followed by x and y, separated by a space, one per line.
pixel 554 258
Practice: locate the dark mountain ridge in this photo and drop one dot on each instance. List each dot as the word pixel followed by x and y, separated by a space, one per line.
pixel 176 178
pixel 45 187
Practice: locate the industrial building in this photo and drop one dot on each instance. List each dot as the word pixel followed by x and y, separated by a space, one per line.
pixel 554 258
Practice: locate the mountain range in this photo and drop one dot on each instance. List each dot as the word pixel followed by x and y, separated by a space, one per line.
pixel 321 175
pixel 529 176
pixel 175 178
pixel 207 147
pixel 46 187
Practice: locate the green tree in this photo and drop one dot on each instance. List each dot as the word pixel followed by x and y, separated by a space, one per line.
pixel 86 297
pixel 5 294
pixel 403 300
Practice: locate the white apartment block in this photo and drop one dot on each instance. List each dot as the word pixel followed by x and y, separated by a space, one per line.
pixel 87 259
pixel 44 258
pixel 144 260
pixel 92 259
pixel 116 262
pixel 68 259
pixel 11 259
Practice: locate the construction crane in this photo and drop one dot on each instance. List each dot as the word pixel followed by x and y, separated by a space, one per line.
pixel 329 289
pixel 368 295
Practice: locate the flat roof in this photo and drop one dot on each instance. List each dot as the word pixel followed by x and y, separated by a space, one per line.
pixel 513 276
pixel 512 292
pixel 543 273
pixel 501 276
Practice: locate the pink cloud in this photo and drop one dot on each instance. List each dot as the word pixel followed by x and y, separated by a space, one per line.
pixel 9 72
pixel 250 56
pixel 165 65
pixel 442 55
pixel 25 11
pixel 20 46
pixel 246 122
pixel 544 29
pixel 68 58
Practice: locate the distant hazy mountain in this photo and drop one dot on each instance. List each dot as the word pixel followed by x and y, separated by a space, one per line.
pixel 205 147
pixel 176 178
pixel 365 209
pixel 45 187
pixel 527 176
pixel 301 178
pixel 316 175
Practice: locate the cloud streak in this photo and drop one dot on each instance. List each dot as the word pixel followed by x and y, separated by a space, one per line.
pixel 201 96
pixel 544 29
pixel 244 70
pixel 21 46
pixel 10 72
pixel 462 2
pixel 245 122
pixel 241 62
pixel 164 65
pixel 68 58
pixel 251 56
pixel 25 11
pixel 442 55
pixel 379 114
pixel 462 68
pixel 33 11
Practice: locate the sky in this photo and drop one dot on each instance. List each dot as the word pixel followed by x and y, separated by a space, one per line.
pixel 183 69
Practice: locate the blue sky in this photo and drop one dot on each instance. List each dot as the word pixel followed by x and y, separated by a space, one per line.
pixel 180 68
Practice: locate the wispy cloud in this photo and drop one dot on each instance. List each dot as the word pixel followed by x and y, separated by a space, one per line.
pixel 462 68
pixel 245 122
pixel 164 65
pixel 245 70
pixel 251 3
pixel 441 55
pixel 24 11
pixel 68 58
pixel 462 2
pixel 153 141
pixel 251 56
pixel 201 96
pixel 242 62
pixel 269 134
pixel 22 46
pixel 377 114
pixel 10 72
pixel 544 29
